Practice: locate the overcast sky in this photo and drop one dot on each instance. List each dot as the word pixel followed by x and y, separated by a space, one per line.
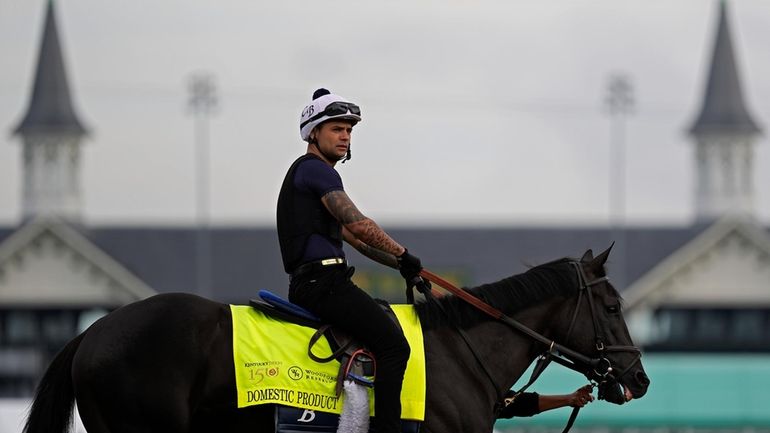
pixel 483 112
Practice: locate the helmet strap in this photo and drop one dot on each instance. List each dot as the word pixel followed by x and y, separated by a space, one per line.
pixel 348 156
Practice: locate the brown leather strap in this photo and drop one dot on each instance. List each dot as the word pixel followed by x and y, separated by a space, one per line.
pixel 467 297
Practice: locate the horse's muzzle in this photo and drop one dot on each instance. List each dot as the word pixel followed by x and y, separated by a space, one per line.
pixel 642 382
pixel 629 387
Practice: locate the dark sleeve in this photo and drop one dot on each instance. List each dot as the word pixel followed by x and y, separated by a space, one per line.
pixel 526 404
pixel 317 177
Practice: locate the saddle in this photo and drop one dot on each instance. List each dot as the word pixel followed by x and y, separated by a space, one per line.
pixel 356 363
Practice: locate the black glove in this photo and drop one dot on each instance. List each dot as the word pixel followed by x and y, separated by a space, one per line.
pixel 409 266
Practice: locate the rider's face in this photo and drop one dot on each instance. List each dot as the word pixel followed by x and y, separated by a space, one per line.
pixel 334 139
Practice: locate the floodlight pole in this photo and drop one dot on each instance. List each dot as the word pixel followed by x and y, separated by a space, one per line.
pixel 202 103
pixel 620 104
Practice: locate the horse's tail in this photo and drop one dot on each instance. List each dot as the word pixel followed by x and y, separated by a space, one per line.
pixel 51 410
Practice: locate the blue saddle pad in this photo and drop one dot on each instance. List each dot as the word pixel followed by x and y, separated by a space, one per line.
pixel 286 306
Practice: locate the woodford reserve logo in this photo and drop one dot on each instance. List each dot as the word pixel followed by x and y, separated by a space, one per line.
pixel 295 373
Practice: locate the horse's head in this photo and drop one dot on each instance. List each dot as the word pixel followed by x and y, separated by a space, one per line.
pixel 596 329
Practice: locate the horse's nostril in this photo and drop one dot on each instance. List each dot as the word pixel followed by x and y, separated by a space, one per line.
pixel 642 378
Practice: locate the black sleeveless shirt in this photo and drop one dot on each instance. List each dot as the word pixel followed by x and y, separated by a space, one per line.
pixel 306 229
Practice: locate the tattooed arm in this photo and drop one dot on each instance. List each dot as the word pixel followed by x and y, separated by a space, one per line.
pixel 360 231
pixel 378 256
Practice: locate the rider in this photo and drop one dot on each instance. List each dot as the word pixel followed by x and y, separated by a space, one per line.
pixel 314 216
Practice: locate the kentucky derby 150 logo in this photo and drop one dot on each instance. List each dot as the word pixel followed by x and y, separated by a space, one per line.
pixel 258 370
pixel 257 375
pixel 295 373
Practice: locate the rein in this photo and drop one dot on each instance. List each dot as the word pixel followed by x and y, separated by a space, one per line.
pixel 599 369
pixel 499 315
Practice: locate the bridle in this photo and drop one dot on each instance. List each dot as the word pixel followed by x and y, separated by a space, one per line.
pixel 599 369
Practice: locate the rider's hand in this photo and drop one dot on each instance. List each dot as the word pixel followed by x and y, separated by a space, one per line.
pixel 409 266
pixel 581 397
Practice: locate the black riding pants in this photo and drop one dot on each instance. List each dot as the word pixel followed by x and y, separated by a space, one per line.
pixel 331 295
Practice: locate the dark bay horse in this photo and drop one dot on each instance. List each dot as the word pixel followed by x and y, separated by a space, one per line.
pixel 165 364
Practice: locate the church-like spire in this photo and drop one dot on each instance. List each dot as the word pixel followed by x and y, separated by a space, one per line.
pixel 51 135
pixel 50 109
pixel 724 136
pixel 724 110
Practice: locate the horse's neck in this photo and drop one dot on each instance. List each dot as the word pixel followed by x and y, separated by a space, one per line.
pixel 508 352
pixel 504 352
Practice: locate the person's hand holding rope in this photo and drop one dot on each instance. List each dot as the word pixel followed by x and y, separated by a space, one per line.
pixel 581 397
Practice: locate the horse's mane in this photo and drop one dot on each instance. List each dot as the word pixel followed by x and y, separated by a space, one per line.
pixel 509 295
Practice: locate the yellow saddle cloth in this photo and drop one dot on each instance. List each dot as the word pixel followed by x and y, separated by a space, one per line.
pixel 272 366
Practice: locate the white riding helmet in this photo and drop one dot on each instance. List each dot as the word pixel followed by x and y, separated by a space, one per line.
pixel 326 106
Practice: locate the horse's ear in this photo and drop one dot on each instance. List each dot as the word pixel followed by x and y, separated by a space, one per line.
pixel 587 257
pixel 601 259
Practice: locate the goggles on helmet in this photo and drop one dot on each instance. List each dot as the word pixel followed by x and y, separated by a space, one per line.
pixel 335 109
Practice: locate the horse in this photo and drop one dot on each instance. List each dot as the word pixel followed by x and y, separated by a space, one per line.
pixel 165 363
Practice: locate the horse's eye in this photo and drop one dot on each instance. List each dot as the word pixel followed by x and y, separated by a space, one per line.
pixel 613 309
